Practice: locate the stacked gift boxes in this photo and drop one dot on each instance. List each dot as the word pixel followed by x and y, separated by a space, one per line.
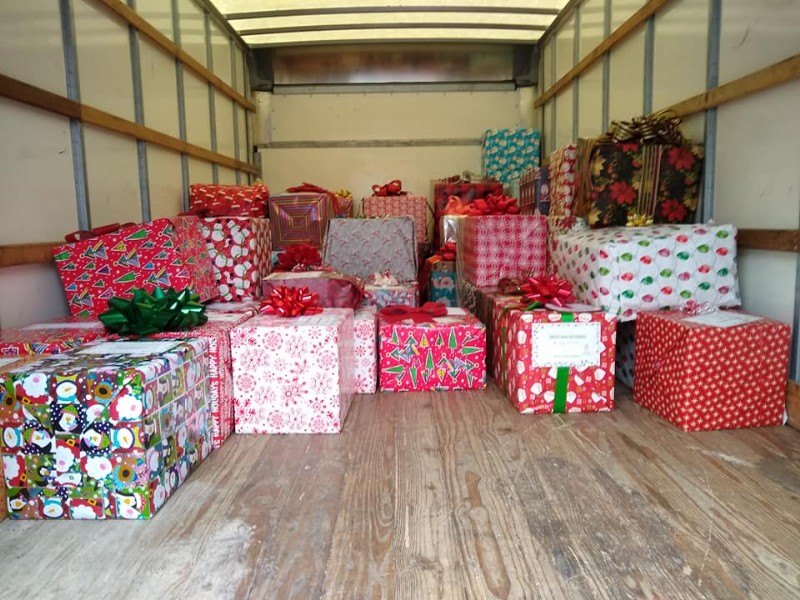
pixel 442 283
pixel 465 193
pixel 404 205
pixel 507 153
pixel 300 218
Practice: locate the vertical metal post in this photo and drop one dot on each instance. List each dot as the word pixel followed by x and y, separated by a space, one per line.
pixel 247 117
pixel 649 54
pixel 576 56
pixel 234 84
pixel 712 81
pixel 75 126
pixel 176 34
pixel 138 109
pixel 212 104
pixel 553 71
pixel 606 66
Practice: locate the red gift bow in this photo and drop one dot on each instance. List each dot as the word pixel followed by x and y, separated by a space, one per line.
pixel 423 314
pixel 290 302
pixel 547 290
pixel 301 257
pixel 393 188
pixel 447 252
pixel 492 204
pixel 87 234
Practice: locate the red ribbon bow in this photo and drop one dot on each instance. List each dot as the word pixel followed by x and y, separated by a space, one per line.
pixel 447 252
pixel 494 204
pixel 547 290
pixel 290 302
pixel 393 188
pixel 301 257
pixel 423 314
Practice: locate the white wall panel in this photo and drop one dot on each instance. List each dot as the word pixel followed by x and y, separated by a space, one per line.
pixel 221 53
pixel 159 89
pixel 166 184
pixel 592 21
pixel 113 177
pixel 31 294
pixel 680 50
pixel 621 11
pixel 590 109
pixel 694 128
pixel 564 114
pixel 547 70
pixel 565 47
pixel 104 59
pixel 31 47
pixel 193 30
pixel 227 176
pixel 242 125
pixel 527 113
pixel 200 171
pixel 548 133
pixel 224 117
pixel 626 98
pixel 158 13
pixel 238 56
pixel 198 112
pixel 767 283
pixel 755 35
pixel 37 198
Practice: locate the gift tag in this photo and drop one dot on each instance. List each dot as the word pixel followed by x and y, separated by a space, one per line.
pixel 130 348
pixel 565 344
pixel 724 319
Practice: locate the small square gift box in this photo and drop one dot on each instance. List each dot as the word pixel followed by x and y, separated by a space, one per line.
pixel 293 366
pixel 506 153
pixel 430 348
pixel 401 205
pixel 300 218
pixel 704 370
pixel 383 289
pixel 365 363
pixel 228 200
pixel 438 276
pixel 50 337
pixel 107 431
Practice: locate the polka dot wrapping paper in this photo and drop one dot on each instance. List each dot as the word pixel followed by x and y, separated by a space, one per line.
pixel 704 377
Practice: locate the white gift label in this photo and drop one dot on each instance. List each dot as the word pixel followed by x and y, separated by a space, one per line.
pixel 76 325
pixel 129 348
pixel 7 361
pixel 723 319
pixel 455 310
pixel 565 344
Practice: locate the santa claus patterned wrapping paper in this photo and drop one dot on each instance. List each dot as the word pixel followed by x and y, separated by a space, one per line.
pixel 51 337
pixel 625 270
pixel 5 363
pixel 555 362
pixel 365 335
pixel 406 205
pixel 442 284
pixel 293 375
pixel 720 370
pixel 562 180
pixel 493 247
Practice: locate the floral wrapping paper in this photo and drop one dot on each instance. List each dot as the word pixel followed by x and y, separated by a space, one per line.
pixel 108 431
pixel 493 247
pixel 406 294
pixel 240 249
pixel 406 205
pixel 651 179
pixel 626 352
pixel 449 354
pixel 530 375
pixel 442 286
pixel 466 192
pixel 704 377
pixel 234 200
pixel 624 270
pixel 143 256
pixel 507 153
pixel 293 375
pixel 51 337
pixel 363 247
pixel 299 219
pixel 365 364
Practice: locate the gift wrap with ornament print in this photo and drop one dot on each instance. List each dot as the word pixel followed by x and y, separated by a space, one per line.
pixel 51 337
pixel 449 354
pixel 363 247
pixel 365 347
pixel 107 431
pixel 293 375
pixel 506 153
pixel 380 296
pixel 406 205
pixel 624 270
pixel 721 370
pixel 442 285
pixel 553 361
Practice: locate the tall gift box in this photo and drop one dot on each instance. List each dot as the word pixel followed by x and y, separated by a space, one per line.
pixel 465 191
pixel 625 270
pixel 300 218
pixel 108 431
pixel 51 337
pixel 404 205
pixel 506 153
pixel 293 375
pixel 563 180
pixel 365 363
pixel 445 353
pixel 493 247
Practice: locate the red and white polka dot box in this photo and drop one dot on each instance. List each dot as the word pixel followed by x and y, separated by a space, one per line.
pixel 720 370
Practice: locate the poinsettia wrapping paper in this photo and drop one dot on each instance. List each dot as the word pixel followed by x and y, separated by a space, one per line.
pixel 139 256
pixel 626 352
pixel 704 377
pixel 363 247
pixel 299 219
pixel 563 179
pixel 365 334
pixel 406 205
pixel 196 255
pixel 293 375
pixel 449 354
pixel 108 431
pixel 406 294
pixel 493 247
pixel 508 152
pixel 442 286
pixel 240 249
pixel 556 362
pixel 51 337
pixel 625 270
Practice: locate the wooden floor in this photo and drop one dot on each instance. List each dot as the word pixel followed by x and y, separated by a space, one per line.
pixel 448 496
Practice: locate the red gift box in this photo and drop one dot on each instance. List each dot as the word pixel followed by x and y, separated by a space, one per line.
pixel 563 180
pixel 405 205
pixel 51 337
pixel 228 200
pixel 721 370
pixel 196 254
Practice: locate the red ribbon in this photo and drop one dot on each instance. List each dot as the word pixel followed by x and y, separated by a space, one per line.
pixel 301 257
pixel 423 314
pixel 393 188
pixel 494 204
pixel 290 302
pixel 547 290
pixel 87 234
pixel 447 252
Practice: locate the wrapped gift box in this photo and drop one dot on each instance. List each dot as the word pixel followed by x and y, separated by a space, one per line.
pixel 527 192
pixel 335 290
pixel 144 256
pixel 466 192
pixel 365 334
pixel 299 219
pixel 493 247
pixel 563 180
pixel 508 152
pixel 5 363
pixel 406 294
pixel 624 270
pixel 406 205
pixel 442 286
pixel 196 255
pixel 551 361
pixel 108 431
pixel 51 337
pixel 557 226
pixel 343 207
pixel 721 370
pixel 448 228
pixel 626 352
pixel 363 247
pixel 240 249
pixel 293 375
pixel 237 200
pixel 449 354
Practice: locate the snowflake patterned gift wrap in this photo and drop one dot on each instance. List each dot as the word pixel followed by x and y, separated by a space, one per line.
pixel 293 375
pixel 719 370
pixel 51 337
pixel 625 270
pixel 555 362
pixel 447 354
pixel 405 205
pixel 508 152
pixel 107 431
pixel 245 307
pixel 365 364
pixel 299 219
pixel 493 247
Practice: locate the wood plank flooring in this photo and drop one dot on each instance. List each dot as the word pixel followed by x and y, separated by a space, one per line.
pixel 450 495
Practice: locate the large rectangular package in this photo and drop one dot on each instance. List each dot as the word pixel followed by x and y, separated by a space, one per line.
pixel 293 375
pixel 493 247
pixel 50 337
pixel 506 153
pixel 624 270
pixel 300 218
pixel 720 370
pixel 363 247
pixel 108 431
pixel 405 205
pixel 365 347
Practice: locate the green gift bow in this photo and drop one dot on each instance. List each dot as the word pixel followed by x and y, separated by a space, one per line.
pixel 147 313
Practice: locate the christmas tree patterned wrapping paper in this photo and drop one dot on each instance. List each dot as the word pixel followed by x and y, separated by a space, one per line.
pixel 51 337
pixel 506 153
pixel 365 348
pixel 624 270
pixel 720 370
pixel 108 431
pixel 405 205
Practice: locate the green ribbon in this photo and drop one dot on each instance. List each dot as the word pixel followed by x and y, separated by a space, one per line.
pixel 562 376
pixel 147 313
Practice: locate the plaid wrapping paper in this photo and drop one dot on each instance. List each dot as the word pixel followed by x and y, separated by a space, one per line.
pixel 405 205
pixel 299 219
pixel 508 152
pixel 563 180
pixel 234 200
